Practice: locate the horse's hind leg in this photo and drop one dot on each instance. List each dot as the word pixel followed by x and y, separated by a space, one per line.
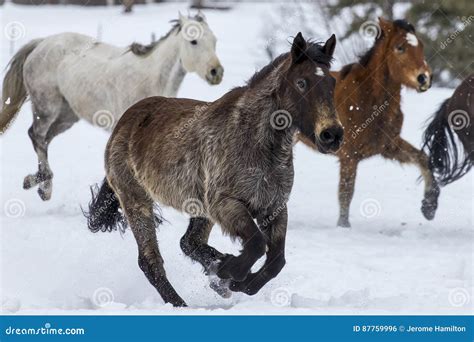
pixel 404 152
pixel 47 125
pixel 348 172
pixel 37 133
pixel 138 209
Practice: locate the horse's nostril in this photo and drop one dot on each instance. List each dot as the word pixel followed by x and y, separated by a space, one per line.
pixel 422 78
pixel 213 72
pixel 327 136
pixel 332 137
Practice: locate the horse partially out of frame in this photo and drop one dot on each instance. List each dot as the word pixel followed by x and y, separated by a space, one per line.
pixel 449 138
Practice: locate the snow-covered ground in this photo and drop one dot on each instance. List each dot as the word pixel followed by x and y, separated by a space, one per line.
pixel 392 261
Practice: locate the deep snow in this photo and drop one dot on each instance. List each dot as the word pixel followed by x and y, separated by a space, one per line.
pixel 392 261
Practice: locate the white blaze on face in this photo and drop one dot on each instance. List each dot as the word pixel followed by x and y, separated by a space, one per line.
pixel 319 72
pixel 411 39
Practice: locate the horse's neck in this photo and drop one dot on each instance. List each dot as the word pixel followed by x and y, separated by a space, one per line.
pixel 164 62
pixel 382 86
pixel 265 137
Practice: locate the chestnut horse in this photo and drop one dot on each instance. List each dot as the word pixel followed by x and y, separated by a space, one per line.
pixel 368 104
pixel 228 162
pixel 449 138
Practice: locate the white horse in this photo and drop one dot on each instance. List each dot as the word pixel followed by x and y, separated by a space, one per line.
pixel 70 76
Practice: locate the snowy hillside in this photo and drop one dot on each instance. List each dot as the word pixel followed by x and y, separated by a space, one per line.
pixel 392 261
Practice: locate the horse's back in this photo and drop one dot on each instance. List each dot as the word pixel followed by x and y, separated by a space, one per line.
pixel 43 66
pixel 157 115
pixel 159 131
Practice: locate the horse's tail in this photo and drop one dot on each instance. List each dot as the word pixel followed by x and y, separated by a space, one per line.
pixel 14 92
pixel 104 214
pixel 447 158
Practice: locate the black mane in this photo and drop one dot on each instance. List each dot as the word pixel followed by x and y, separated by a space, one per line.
pixel 314 52
pixel 144 50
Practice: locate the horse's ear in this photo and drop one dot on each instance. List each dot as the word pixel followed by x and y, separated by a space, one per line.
pixel 385 25
pixel 330 45
pixel 200 16
pixel 298 48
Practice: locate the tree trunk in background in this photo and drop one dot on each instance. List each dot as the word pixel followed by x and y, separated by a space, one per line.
pixel 128 4
pixel 387 7
pixel 196 3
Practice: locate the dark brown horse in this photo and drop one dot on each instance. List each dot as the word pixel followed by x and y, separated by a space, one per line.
pixel 228 162
pixel 368 103
pixel 449 138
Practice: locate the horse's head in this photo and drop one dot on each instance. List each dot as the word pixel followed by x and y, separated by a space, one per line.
pixel 198 49
pixel 307 93
pixel 406 59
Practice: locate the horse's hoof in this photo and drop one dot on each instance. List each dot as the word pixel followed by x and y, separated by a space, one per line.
pixel 343 223
pixel 29 182
pixel 44 194
pixel 428 209
pixel 244 287
pixel 178 303
pixel 430 203
pixel 230 268
pixel 220 286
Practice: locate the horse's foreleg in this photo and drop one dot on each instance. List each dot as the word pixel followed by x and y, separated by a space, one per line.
pixel 194 244
pixel 404 152
pixel 236 221
pixel 275 259
pixel 347 176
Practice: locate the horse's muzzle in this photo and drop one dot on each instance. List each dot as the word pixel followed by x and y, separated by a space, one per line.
pixel 214 76
pixel 424 82
pixel 330 139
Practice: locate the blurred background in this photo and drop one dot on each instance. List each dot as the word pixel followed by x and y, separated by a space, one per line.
pixel 445 26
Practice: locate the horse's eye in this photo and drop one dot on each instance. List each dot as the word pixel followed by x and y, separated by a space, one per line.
pixel 400 49
pixel 301 83
pixel 194 42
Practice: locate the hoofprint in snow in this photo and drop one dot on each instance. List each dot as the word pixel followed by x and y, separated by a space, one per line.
pixel 391 262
